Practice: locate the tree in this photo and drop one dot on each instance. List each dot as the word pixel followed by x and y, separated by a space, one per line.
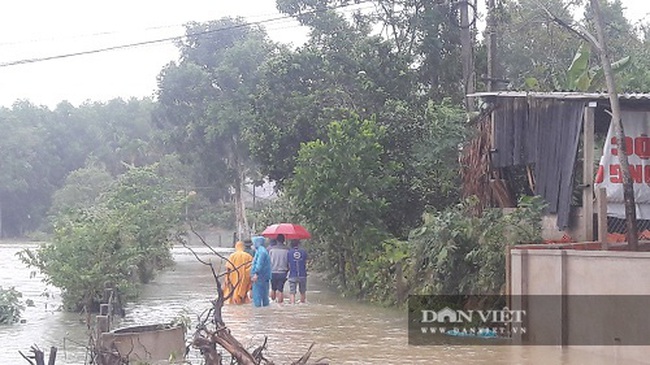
pixel 123 239
pixel 424 33
pixel 343 72
pixel 337 188
pixel 20 159
pixel 41 147
pixel 628 184
pixel 10 305
pixel 207 98
pixel 125 133
pixel 81 189
pixel 534 51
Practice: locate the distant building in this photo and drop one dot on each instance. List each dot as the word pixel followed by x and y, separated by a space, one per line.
pixel 257 194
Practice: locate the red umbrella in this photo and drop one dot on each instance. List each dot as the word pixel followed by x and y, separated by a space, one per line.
pixel 289 230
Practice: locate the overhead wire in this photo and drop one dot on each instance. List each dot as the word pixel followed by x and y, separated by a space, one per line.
pixel 108 32
pixel 79 36
pixel 169 39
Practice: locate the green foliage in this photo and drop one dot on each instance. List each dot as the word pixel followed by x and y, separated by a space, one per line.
pixel 582 77
pixel 351 74
pixel 381 272
pixel 336 187
pixel 425 36
pixel 207 98
pixel 123 239
pixel 343 75
pixel 456 252
pixel 39 148
pixel 534 52
pixel 537 60
pixel 80 190
pixel 276 211
pixel 10 305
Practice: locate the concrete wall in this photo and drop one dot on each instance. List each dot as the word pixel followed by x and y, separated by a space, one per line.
pixel 576 230
pixel 153 344
pixel 573 315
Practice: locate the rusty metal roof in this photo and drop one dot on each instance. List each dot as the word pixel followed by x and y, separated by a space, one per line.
pixel 562 95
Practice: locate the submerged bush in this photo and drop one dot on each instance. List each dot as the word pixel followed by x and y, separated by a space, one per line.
pixel 457 252
pixel 10 305
pixel 123 240
pixel 453 252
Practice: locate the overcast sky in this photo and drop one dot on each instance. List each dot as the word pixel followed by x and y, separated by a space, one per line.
pixel 43 28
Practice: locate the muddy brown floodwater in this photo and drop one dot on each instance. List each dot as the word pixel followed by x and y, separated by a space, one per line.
pixel 345 331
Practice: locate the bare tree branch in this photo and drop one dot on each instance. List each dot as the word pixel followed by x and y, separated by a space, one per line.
pixel 573 28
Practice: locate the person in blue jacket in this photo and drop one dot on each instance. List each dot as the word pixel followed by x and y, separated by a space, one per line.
pixel 297 258
pixel 260 273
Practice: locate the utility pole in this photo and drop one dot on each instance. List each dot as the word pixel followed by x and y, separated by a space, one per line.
pixel 467 53
pixel 490 27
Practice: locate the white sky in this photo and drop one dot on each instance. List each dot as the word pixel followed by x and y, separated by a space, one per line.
pixel 42 28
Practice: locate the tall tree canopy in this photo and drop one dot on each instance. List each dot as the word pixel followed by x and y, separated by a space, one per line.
pixel 207 98
pixel 40 147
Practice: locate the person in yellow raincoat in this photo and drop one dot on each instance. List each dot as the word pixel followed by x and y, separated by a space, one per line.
pixel 238 275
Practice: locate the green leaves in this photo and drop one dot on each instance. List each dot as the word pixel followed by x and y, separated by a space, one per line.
pixel 582 77
pixel 337 187
pixel 10 305
pixel 124 238
pixel 457 252
pixel 578 77
pixel 207 102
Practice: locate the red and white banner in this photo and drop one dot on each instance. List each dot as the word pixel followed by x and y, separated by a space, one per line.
pixel 636 126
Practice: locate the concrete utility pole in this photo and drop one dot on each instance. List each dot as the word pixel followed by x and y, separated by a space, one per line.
pixel 490 27
pixel 467 53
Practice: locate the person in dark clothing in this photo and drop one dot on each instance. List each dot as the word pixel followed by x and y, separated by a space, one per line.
pixel 297 258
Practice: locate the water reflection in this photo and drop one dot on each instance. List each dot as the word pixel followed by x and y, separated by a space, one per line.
pixel 344 331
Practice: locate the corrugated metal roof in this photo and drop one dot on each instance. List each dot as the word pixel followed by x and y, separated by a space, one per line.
pixel 561 95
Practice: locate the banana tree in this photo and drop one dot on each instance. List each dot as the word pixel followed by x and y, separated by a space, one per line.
pixel 581 77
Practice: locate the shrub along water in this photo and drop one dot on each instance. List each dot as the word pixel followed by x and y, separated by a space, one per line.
pixel 123 239
pixel 10 305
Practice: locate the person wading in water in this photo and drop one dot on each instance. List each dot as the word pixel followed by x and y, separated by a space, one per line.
pixel 279 268
pixel 260 273
pixel 297 258
pixel 238 280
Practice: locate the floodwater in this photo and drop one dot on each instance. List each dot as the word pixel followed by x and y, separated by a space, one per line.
pixel 344 331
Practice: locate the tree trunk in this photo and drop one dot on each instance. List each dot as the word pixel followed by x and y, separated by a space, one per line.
pixel 628 187
pixel 237 165
pixel 240 207
pixel 341 265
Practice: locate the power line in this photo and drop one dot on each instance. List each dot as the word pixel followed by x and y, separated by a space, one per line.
pixel 78 36
pixel 105 33
pixel 167 39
